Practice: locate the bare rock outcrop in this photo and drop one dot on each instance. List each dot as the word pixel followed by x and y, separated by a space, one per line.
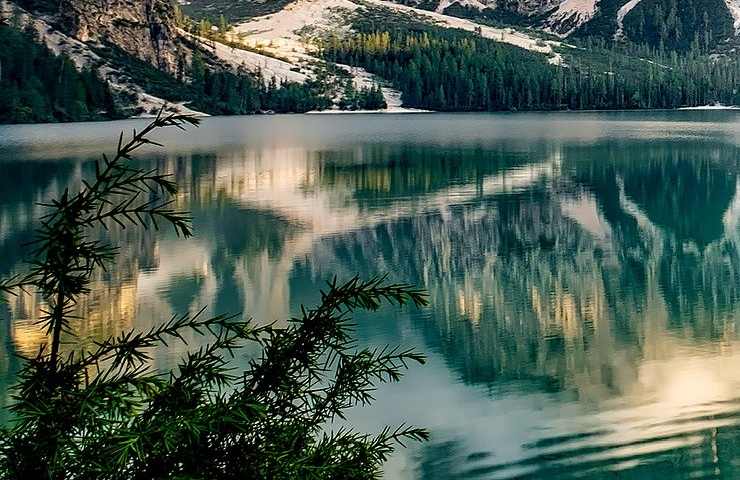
pixel 142 28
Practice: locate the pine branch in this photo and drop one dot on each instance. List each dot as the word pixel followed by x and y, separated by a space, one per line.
pixel 129 349
pixel 105 413
pixel 326 327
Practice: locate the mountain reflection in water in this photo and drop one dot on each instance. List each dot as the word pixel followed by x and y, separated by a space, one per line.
pixel 584 272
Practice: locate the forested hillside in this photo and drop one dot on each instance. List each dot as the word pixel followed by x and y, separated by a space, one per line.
pixel 674 24
pixel 451 70
pixel 231 9
pixel 38 86
pixel 221 91
pixel 41 86
pixel 679 24
pixel 336 54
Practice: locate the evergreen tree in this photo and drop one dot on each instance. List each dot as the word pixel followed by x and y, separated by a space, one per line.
pixel 457 71
pixel 39 86
pixel 103 412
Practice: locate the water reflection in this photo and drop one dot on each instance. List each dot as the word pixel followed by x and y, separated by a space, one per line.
pixel 583 272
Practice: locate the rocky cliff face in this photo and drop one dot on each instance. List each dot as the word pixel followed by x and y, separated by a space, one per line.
pixel 142 28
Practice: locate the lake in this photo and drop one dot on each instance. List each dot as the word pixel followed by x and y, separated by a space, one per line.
pixel 583 271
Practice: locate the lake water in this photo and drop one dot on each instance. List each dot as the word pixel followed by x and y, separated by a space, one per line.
pixel 583 269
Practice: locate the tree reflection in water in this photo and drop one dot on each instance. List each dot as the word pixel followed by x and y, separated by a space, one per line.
pixel 585 294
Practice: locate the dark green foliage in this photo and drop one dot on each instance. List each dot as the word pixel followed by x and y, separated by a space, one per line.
pixel 233 10
pixel 217 91
pixel 457 71
pixel 604 22
pixel 367 98
pixel 139 72
pixel 103 413
pixel 449 71
pixel 677 24
pixel 227 93
pixel 668 24
pixel 43 6
pixel 38 86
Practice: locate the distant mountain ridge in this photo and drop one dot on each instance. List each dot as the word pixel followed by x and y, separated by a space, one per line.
pixel 674 23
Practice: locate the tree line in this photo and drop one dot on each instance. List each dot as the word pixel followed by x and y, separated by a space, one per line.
pixel 457 71
pixel 224 92
pixel 244 91
pixel 674 25
pixel 36 85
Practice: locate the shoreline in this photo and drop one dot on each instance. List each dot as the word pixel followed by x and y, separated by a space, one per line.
pixel 411 111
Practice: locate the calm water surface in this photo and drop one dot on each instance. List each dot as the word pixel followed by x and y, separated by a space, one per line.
pixel 584 271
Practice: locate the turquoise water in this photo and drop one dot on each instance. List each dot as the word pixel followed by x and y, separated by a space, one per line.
pixel 584 271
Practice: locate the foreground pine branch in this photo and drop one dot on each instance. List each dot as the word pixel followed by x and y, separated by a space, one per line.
pixel 103 413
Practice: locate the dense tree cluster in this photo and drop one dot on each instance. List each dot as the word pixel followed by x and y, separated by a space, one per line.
pixel 243 92
pixel 236 93
pixel 38 86
pixel 366 98
pixel 457 71
pixel 679 25
pixel 214 90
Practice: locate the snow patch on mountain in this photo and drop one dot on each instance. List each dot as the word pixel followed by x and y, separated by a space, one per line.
pixel 281 46
pixel 734 7
pixel 284 40
pixel 268 66
pixel 626 8
pixel 286 32
pixel 364 79
pixel 445 4
pixel 571 14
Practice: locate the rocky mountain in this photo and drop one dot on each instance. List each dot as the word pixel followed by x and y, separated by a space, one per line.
pixel 251 56
pixel 142 28
pixel 132 45
pixel 673 23
pixel 676 23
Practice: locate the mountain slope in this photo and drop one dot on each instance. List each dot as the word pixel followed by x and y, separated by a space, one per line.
pixel 288 33
pixel 674 24
pixel 149 62
pixel 84 56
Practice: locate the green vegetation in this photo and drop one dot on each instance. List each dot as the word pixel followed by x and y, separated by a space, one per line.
pixel 101 412
pixel 679 25
pixel 435 68
pixel 216 91
pixel 450 70
pixel 239 94
pixel 213 9
pixel 224 92
pixel 38 86
pixel 366 98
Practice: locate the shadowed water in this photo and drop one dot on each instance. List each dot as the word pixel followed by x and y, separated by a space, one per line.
pixel 583 269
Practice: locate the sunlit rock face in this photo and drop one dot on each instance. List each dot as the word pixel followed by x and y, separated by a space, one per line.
pixel 142 28
pixel 557 16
